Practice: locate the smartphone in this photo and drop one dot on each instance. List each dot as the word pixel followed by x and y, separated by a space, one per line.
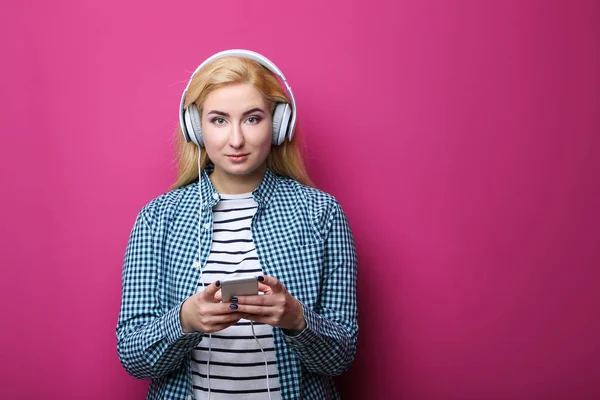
pixel 242 286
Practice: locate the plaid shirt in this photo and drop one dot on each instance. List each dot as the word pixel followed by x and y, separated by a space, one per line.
pixel 302 238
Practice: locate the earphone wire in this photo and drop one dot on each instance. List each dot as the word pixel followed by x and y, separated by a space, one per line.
pixel 200 264
pixel 264 356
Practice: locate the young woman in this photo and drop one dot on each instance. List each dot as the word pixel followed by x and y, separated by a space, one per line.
pixel 242 205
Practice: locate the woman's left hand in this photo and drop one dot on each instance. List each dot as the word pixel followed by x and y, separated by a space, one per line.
pixel 277 307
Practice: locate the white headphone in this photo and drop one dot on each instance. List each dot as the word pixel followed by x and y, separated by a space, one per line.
pixel 284 116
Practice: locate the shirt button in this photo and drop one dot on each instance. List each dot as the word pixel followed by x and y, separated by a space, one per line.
pixel 207 226
pixel 266 198
pixel 215 196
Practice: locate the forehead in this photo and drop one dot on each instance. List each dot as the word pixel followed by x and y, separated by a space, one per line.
pixel 235 97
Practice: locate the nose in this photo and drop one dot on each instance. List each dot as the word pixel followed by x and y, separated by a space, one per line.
pixel 236 136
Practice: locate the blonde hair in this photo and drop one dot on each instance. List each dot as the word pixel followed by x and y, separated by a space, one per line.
pixel 285 159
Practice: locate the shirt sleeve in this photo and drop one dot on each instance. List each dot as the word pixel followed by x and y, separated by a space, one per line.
pixel 150 340
pixel 328 343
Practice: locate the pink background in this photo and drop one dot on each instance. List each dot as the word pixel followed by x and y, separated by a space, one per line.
pixel 461 137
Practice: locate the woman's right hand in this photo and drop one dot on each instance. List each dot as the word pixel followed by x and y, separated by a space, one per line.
pixel 202 312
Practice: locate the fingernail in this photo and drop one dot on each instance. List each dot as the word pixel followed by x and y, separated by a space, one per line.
pixel 234 299
pixel 218 283
pixel 233 306
pixel 261 278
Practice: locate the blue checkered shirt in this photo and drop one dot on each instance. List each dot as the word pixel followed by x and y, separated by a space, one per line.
pixel 302 238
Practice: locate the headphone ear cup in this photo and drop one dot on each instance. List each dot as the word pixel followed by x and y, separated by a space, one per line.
pixel 281 121
pixel 185 127
pixel 196 128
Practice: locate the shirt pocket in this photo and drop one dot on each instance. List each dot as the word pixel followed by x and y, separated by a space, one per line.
pixel 300 269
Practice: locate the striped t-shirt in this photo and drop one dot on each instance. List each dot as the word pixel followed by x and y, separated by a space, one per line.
pixel 237 365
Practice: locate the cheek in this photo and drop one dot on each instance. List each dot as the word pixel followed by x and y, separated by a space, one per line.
pixel 211 147
pixel 265 146
pixel 267 141
pixel 212 140
pixel 260 138
pixel 267 137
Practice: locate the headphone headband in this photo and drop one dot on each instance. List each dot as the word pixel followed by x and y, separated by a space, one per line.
pixel 262 60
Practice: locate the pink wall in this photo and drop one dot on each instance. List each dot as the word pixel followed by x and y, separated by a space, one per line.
pixel 461 137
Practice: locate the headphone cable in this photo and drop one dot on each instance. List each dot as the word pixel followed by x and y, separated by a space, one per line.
pixel 264 356
pixel 200 265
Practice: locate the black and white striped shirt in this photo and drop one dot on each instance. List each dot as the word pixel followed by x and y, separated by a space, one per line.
pixel 236 369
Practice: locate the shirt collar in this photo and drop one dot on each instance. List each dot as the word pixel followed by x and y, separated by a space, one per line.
pixel 262 194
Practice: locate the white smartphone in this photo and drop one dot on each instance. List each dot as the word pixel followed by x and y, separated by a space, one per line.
pixel 242 286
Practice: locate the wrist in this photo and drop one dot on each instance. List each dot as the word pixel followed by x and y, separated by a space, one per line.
pixel 300 323
pixel 301 326
pixel 185 326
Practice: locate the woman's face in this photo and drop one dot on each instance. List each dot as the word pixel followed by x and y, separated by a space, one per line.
pixel 237 126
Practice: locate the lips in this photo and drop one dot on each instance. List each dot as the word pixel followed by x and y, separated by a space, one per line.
pixel 237 157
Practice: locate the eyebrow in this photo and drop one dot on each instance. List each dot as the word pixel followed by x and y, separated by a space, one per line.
pixel 224 114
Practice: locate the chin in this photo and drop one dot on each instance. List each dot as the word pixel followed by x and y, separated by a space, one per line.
pixel 241 169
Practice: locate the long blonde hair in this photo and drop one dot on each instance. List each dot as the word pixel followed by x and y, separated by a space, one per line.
pixel 285 159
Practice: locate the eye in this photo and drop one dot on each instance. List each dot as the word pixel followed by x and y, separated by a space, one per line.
pixel 253 120
pixel 218 121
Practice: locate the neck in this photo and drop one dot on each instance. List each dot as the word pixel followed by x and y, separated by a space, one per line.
pixel 237 184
